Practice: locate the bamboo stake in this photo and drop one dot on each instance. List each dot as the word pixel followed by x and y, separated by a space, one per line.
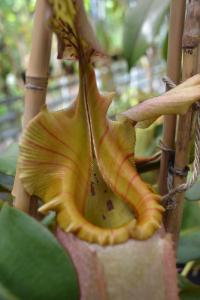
pixel 37 77
pixel 190 67
pixel 177 16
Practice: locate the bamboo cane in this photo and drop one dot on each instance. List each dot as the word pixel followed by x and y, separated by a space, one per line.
pixel 177 16
pixel 37 77
pixel 190 67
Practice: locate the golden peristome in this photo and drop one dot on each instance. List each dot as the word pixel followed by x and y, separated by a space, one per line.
pixel 78 156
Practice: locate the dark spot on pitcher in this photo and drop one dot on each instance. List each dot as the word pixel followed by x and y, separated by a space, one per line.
pixel 104 217
pixel 109 205
pixel 92 189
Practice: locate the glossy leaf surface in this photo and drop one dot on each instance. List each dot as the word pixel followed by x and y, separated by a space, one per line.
pixel 33 265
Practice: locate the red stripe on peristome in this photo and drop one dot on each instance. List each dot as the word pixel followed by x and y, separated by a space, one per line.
pixel 145 204
pixel 150 219
pixel 147 210
pixel 127 156
pixel 103 137
pixel 135 175
pixel 142 200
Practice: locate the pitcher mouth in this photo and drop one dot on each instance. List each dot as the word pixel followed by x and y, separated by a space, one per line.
pixel 105 220
pixel 103 207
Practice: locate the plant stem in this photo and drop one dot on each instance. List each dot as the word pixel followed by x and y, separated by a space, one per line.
pixel 184 134
pixel 37 74
pixel 177 16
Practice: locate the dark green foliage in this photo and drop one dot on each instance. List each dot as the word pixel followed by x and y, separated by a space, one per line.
pixel 32 264
pixel 188 290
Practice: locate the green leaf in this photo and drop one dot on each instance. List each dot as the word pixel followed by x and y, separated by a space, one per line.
pixel 5 197
pixel 142 24
pixel 1 203
pixel 188 290
pixel 5 294
pixel 165 47
pixel 6 182
pixel 189 245
pixel 49 220
pixel 33 265
pixel 193 194
pixel 191 215
pixel 8 160
pixel 190 235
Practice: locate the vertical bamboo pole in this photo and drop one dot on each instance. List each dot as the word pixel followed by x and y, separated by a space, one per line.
pixel 177 17
pixel 37 77
pixel 190 67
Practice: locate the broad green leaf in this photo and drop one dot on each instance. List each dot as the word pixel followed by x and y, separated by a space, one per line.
pixel 188 290
pixel 5 294
pixel 191 215
pixel 33 265
pixel 189 245
pixel 141 25
pixel 8 159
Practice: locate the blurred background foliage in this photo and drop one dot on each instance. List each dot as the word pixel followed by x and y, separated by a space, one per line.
pixel 125 28
pixel 15 38
pixel 134 34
